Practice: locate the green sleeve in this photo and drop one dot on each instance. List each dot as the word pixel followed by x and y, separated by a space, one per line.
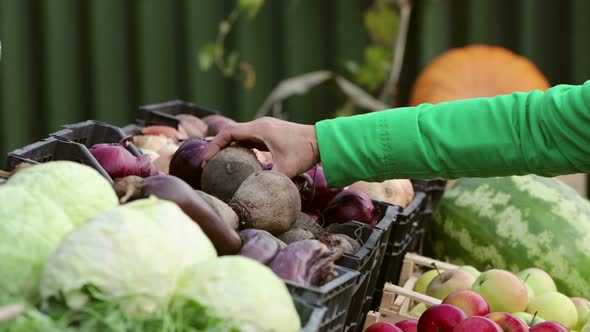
pixel 545 133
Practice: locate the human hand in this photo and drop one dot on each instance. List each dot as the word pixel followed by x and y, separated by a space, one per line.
pixel 294 147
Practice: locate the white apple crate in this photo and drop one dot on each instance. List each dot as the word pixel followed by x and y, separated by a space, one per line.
pixel 397 301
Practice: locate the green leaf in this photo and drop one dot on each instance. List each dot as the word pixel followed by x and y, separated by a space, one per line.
pixel 351 66
pixel 251 6
pixel 381 23
pixel 375 69
pixel 231 63
pixel 208 54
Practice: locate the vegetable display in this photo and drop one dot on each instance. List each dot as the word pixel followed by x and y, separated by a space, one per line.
pixel 167 244
pixel 110 254
pixel 39 205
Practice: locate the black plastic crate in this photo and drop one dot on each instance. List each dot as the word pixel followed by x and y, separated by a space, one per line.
pixel 54 148
pixel 165 113
pixel 362 261
pixel 311 316
pixel 404 236
pixel 334 296
pixel 367 260
pixel 93 132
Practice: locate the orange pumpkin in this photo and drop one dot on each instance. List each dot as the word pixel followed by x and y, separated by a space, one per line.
pixel 475 71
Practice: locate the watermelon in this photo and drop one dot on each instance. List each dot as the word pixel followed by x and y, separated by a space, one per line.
pixel 514 223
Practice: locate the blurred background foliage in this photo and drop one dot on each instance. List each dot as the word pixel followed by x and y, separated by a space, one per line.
pixel 66 61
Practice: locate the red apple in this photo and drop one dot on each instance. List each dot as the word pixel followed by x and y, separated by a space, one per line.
pixel 507 322
pixel 469 301
pixel 408 325
pixel 440 318
pixel 383 327
pixel 548 326
pixel 479 324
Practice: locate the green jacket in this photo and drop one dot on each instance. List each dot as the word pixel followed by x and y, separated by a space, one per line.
pixel 545 133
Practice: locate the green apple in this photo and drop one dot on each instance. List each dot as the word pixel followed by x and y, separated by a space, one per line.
pixel 585 328
pixel 448 282
pixel 419 309
pixel 556 307
pixel 424 280
pixel 471 270
pixel 528 318
pixel 530 292
pixel 583 307
pixel 539 280
pixel 502 290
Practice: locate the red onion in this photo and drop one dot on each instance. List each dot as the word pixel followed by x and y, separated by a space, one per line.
pixel 313 216
pixel 322 194
pixel 350 205
pixel 186 161
pixel 119 163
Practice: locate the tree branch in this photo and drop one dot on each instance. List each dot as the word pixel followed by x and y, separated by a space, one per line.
pixel 399 47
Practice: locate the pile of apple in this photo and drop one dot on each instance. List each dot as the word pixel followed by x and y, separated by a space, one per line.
pixel 495 300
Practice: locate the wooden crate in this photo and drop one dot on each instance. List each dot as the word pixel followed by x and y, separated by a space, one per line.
pixel 398 300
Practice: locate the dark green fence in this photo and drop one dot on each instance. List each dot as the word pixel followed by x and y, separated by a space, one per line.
pixel 69 60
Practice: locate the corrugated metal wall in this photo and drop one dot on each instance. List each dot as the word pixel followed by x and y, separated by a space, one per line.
pixel 67 60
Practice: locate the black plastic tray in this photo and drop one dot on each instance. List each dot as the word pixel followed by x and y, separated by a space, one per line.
pixel 334 296
pixel 165 113
pixel 407 232
pixel 311 316
pixel 362 261
pixel 54 148
pixel 93 132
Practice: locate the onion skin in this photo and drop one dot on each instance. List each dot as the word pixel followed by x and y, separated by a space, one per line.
pixel 350 205
pixel 169 132
pixel 187 160
pixel 322 194
pixel 225 240
pixel 119 163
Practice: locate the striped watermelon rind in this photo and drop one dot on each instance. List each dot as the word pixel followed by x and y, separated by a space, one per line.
pixel 515 223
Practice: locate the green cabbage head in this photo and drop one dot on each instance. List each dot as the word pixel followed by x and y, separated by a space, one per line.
pixel 79 189
pixel 31 227
pixel 241 291
pixel 132 254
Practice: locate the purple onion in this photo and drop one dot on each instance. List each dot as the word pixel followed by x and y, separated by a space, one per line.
pixel 322 194
pixel 350 205
pixel 187 160
pixel 119 163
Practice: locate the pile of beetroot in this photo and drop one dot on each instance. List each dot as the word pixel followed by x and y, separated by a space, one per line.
pixel 244 206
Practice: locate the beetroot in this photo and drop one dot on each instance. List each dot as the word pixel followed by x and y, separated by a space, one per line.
pixel 267 200
pixel 259 245
pixel 225 172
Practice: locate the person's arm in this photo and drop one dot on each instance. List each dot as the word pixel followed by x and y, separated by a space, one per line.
pixel 546 133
